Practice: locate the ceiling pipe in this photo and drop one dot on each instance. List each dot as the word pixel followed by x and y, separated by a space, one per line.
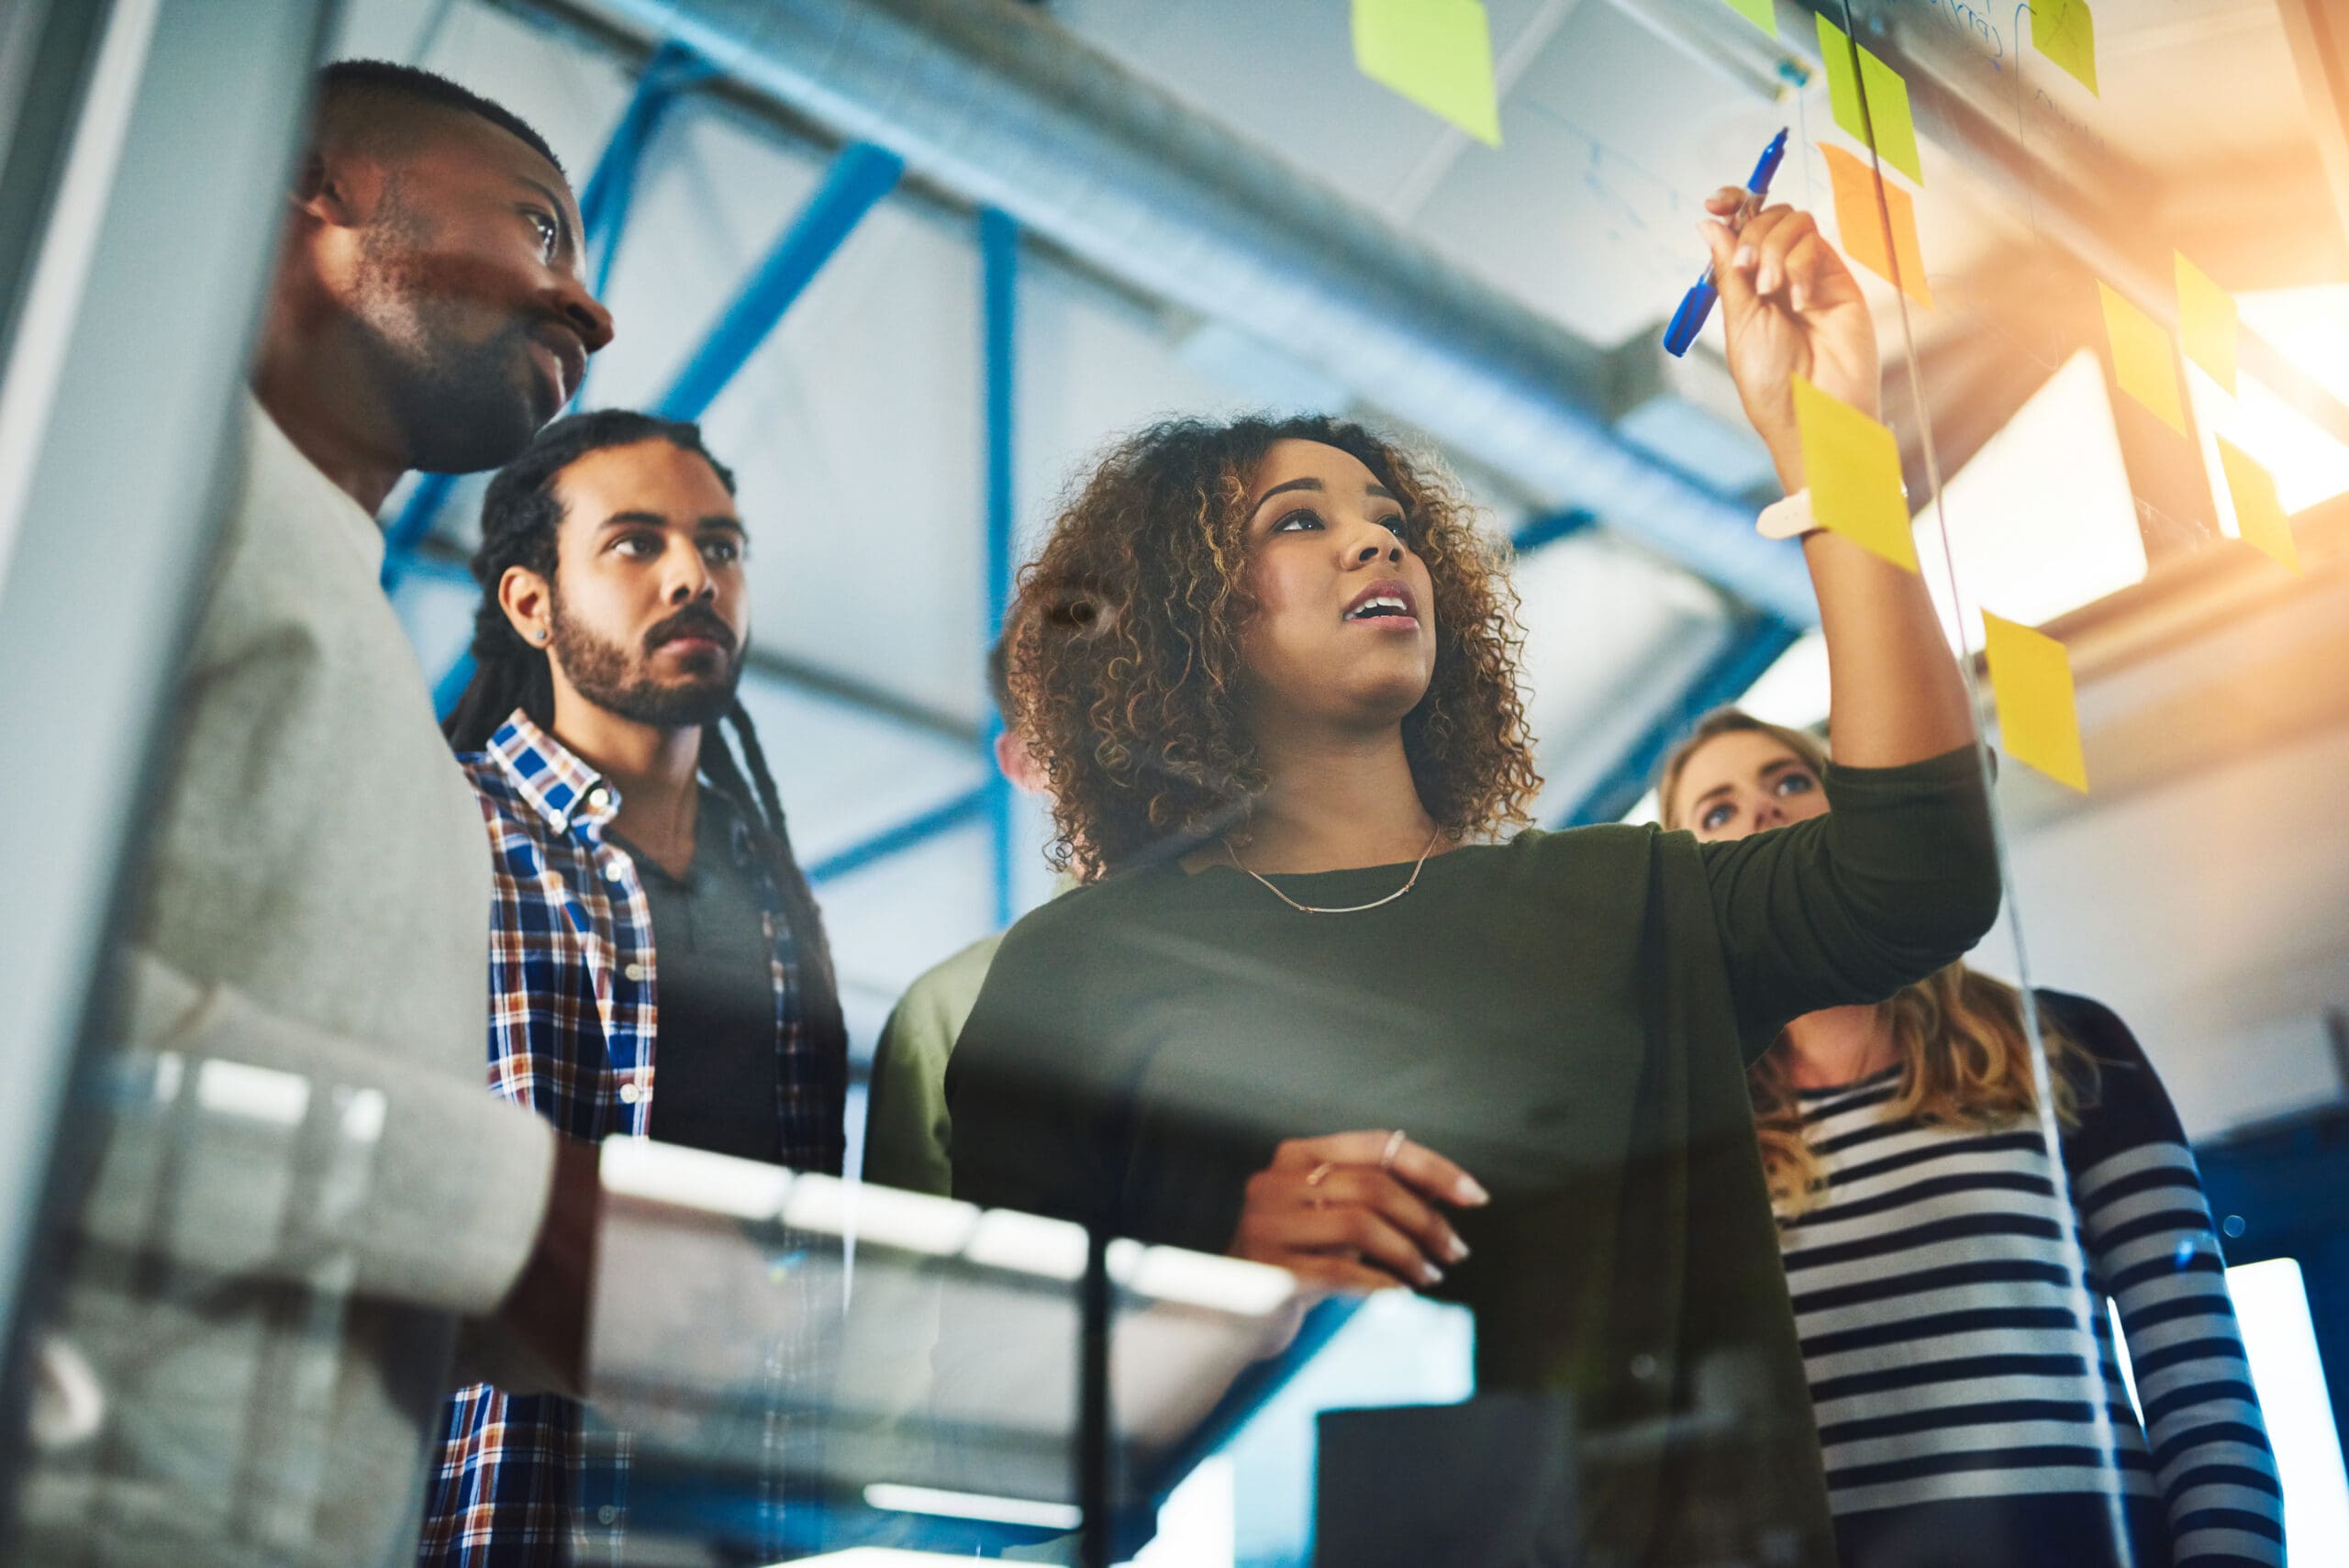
pixel 998 103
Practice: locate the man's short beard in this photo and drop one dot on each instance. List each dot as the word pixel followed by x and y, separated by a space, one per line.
pixel 599 670
pixel 459 403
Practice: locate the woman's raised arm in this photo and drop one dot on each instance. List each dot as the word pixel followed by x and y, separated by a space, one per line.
pixel 1790 307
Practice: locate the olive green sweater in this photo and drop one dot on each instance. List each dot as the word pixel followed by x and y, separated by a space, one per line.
pixel 1567 1014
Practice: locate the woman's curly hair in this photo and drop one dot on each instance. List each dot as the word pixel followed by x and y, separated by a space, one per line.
pixel 1125 645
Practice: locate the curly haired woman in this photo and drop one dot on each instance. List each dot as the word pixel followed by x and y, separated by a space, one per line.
pixel 1935 1283
pixel 1273 673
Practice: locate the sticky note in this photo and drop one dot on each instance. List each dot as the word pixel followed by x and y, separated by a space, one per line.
pixel 2065 31
pixel 1437 53
pixel 2206 322
pixel 2142 359
pixel 1862 224
pixel 1855 76
pixel 1761 13
pixel 2039 718
pixel 2259 515
pixel 1850 464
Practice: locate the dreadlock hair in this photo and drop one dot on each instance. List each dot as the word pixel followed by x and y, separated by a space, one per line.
pixel 519 518
pixel 368 102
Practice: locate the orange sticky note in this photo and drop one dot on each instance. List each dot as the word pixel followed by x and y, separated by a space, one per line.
pixel 1761 13
pixel 1862 224
pixel 1854 75
pixel 2259 515
pixel 2039 719
pixel 2142 359
pixel 2206 322
pixel 1850 464
pixel 2065 31
pixel 1437 53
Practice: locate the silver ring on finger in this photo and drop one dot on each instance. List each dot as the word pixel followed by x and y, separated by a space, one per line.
pixel 1314 1178
pixel 1393 1147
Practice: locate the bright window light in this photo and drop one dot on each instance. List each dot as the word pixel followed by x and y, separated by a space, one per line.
pixel 905 1499
pixel 883 1217
pixel 1793 691
pixel 2310 328
pixel 2272 1305
pixel 693 1178
pixel 1221 1284
pixel 1198 1524
pixel 872 1557
pixel 2041 520
pixel 1028 1244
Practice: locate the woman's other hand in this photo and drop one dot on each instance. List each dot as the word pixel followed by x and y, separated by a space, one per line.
pixel 1789 306
pixel 1356 1211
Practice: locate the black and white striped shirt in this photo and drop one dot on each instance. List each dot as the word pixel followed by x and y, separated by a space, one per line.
pixel 1939 1307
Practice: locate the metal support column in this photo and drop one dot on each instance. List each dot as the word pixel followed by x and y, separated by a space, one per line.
pixel 1549 528
pixel 904 836
pixel 1750 648
pixel 1000 282
pixel 860 176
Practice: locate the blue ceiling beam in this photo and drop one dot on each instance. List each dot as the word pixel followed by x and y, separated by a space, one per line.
pixel 1753 647
pixel 999 288
pixel 603 206
pixel 953 814
pixel 610 192
pixel 860 176
pixel 1549 528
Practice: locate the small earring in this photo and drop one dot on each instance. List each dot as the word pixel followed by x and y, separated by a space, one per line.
pixel 538 637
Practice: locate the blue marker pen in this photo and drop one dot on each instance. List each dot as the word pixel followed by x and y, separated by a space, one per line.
pixel 1697 303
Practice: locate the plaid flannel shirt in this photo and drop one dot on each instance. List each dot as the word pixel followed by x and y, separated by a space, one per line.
pixel 571 1033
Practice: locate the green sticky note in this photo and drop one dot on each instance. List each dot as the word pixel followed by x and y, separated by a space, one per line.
pixel 1761 13
pixel 1865 92
pixel 1850 464
pixel 2065 31
pixel 1437 53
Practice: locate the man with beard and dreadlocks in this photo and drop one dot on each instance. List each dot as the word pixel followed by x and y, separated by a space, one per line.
pixel 311 903
pixel 646 892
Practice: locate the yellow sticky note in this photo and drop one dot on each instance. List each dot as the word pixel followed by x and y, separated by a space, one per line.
pixel 2142 359
pixel 1437 53
pixel 1851 466
pixel 1856 77
pixel 2065 31
pixel 2206 322
pixel 1761 13
pixel 1861 222
pixel 2039 718
pixel 2259 515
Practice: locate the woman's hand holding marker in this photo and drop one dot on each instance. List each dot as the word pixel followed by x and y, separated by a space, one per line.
pixel 1790 307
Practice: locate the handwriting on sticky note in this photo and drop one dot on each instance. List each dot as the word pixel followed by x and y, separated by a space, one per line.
pixel 2039 719
pixel 2143 361
pixel 2065 31
pixel 1862 221
pixel 1437 53
pixel 2259 513
pixel 1870 100
pixel 1763 14
pixel 2206 322
pixel 1850 464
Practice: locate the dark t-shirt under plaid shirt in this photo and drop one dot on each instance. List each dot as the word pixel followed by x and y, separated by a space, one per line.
pixel 573 985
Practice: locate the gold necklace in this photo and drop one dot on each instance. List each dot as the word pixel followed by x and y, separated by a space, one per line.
pixel 1351 908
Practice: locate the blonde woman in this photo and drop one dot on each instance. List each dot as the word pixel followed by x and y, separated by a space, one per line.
pixel 1932 1282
